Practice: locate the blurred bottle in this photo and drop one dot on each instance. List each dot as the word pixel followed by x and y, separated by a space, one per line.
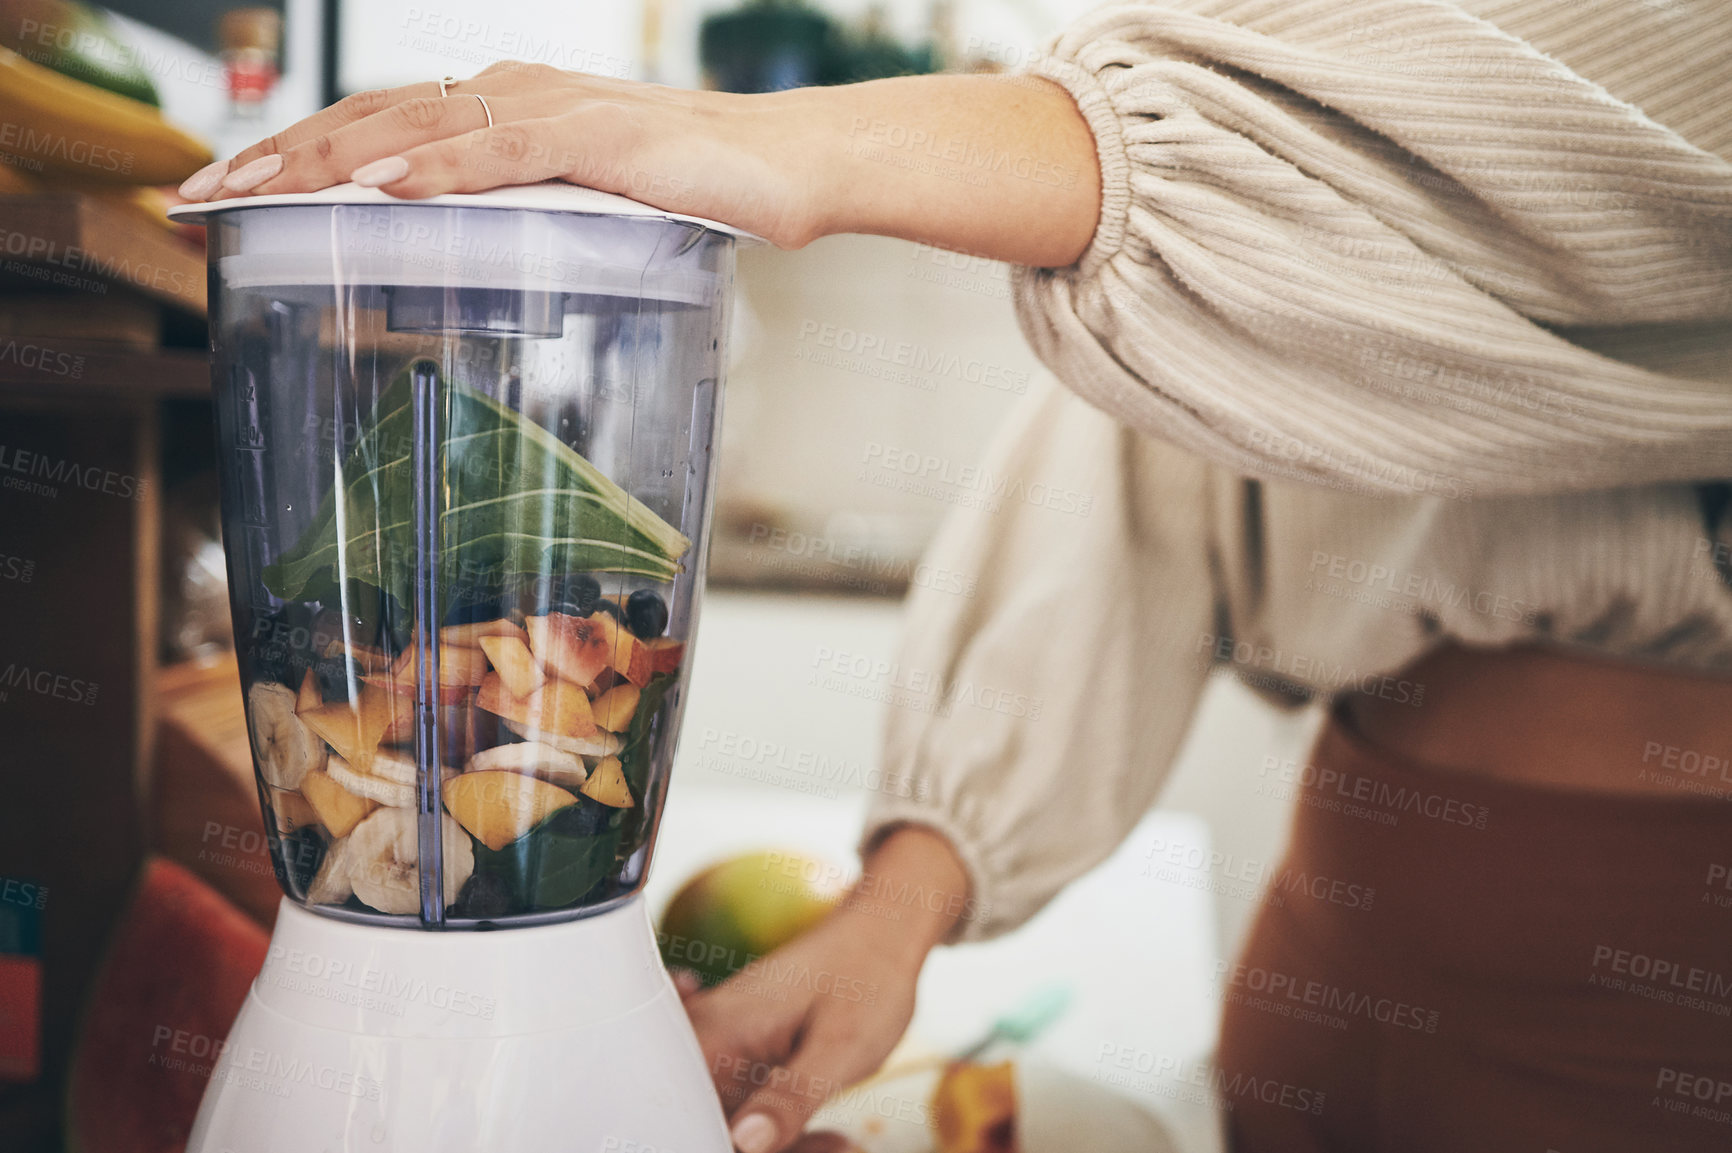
pixel 249 41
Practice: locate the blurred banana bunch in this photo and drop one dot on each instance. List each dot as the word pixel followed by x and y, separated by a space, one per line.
pixel 76 106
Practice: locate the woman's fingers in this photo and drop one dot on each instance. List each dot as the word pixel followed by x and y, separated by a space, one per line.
pixel 828 1060
pixel 207 182
pixel 687 983
pixel 521 152
pixel 330 157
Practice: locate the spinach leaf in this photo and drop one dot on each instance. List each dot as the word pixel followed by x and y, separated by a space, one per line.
pixel 512 499
pixel 557 863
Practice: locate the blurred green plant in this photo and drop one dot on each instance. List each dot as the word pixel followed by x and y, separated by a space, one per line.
pixel 773 45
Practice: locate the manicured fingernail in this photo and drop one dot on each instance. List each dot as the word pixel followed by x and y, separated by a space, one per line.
pixel 204 182
pixel 249 176
pixel 754 1134
pixel 386 171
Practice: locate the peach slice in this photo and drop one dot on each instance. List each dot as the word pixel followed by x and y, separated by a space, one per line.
pixel 471 635
pixel 292 809
pixel 338 809
pixel 355 732
pixel 606 783
pixel 557 707
pixel 628 656
pixel 371 660
pixel 615 708
pixel 458 665
pixel 665 654
pixel 308 697
pixel 571 648
pixel 515 664
pixel 498 806
pixel 409 690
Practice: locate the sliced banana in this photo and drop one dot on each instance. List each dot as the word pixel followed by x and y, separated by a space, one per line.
pixel 602 744
pixel 396 791
pixel 384 854
pixel 284 748
pixel 393 766
pixel 331 885
pixel 533 759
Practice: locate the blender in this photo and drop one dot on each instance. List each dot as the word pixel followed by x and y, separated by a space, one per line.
pixel 466 449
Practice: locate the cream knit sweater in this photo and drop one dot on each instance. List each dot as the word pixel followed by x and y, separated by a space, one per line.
pixel 1433 273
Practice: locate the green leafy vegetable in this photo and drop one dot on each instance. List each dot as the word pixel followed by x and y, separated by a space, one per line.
pixel 511 499
pixel 555 864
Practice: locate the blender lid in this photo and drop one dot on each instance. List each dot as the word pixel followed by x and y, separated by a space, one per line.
pixel 547 196
pixel 528 239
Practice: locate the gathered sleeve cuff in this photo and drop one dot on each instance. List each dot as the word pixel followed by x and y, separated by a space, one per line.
pixel 1051 681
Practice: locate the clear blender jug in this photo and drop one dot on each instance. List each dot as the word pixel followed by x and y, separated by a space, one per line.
pixel 466 452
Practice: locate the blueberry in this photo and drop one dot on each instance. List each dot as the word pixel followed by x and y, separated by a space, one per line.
pixel 580 591
pixel 646 614
pixel 484 896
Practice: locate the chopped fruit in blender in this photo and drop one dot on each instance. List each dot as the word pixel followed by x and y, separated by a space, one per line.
pixel 396 791
pixel 646 614
pixel 535 759
pixel 356 732
pixel 458 665
pixel 308 697
pixel 285 747
pixel 471 635
pixel 665 654
pixel 292 810
pixel 384 851
pixel 574 649
pixel 337 808
pixel 615 708
pixel 556 707
pixel 628 656
pixel 513 661
pixel 330 885
pixel 598 744
pixel 607 784
pixel 498 807
pixel 446 694
pixel 576 595
pixel 604 680
pixel 368 658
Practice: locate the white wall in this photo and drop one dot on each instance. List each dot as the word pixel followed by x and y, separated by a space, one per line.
pixel 387 42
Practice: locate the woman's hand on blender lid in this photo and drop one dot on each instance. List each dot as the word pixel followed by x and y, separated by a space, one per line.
pixel 670 148
pixel 789 166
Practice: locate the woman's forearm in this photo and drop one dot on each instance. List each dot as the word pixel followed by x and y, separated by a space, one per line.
pixel 998 166
pixel 1002 167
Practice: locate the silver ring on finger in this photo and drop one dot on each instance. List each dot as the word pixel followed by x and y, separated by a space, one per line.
pixel 445 85
pixel 488 111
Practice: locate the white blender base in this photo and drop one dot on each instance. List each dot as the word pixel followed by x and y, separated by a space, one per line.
pixel 565 1037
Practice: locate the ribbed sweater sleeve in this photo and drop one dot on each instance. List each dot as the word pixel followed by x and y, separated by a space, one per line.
pixel 1047 695
pixel 1347 242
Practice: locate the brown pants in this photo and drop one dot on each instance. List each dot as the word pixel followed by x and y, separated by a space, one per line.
pixel 1451 963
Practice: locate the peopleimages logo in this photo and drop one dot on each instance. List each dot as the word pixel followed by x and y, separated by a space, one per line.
pixel 336 975
pixel 93 478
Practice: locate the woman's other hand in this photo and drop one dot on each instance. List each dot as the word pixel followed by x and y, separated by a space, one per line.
pixel 822 1012
pixel 1002 167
